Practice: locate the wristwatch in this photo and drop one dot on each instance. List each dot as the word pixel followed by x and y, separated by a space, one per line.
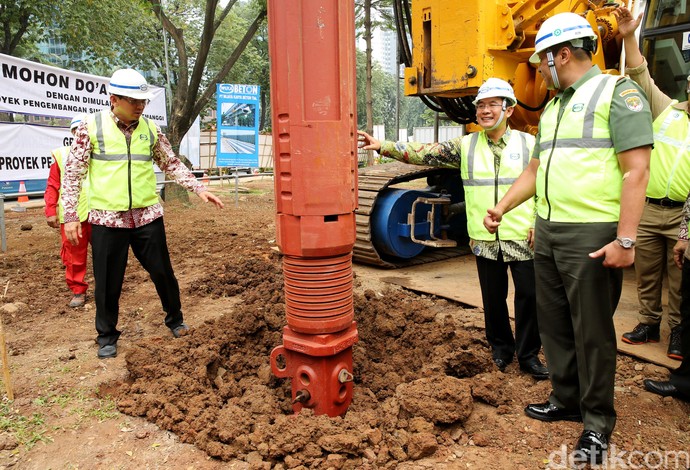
pixel 625 242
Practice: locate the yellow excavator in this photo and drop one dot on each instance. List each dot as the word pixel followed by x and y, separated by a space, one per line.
pixel 449 48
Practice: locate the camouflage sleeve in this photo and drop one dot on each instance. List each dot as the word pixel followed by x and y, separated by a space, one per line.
pixel 444 154
pixel 683 232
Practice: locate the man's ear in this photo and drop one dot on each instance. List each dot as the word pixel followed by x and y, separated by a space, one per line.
pixel 564 54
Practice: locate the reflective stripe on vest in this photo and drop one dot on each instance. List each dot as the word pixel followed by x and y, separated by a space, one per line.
pixel 579 178
pixel 122 171
pixel 483 189
pixel 60 155
pixel 669 167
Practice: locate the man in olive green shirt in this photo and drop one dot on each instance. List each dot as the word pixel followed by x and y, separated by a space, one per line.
pixel 589 171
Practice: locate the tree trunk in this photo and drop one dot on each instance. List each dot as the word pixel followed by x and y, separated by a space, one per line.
pixel 173 191
pixel 368 98
pixel 262 116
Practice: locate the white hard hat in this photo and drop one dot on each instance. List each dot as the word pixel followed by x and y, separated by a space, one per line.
pixel 564 27
pixel 76 120
pixel 496 88
pixel 129 82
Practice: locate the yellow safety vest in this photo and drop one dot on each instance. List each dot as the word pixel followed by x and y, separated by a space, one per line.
pixel 579 179
pixel 483 189
pixel 122 172
pixel 669 166
pixel 60 155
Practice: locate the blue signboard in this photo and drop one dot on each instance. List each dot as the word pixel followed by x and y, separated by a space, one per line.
pixel 238 125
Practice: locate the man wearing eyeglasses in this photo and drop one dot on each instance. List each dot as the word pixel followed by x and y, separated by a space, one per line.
pixel 116 149
pixel 489 161
pixel 669 182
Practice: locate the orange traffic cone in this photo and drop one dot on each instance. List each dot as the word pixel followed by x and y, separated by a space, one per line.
pixel 22 189
pixel 205 179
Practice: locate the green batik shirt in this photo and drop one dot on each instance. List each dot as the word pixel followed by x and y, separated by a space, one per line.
pixel 448 155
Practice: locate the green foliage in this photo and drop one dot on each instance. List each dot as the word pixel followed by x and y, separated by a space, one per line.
pixel 103 36
pixel 24 22
pixel 253 66
pixel 382 15
pixel 384 96
pixel 27 430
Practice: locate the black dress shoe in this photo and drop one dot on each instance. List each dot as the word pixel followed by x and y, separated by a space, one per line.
pixel 550 412
pixel 536 369
pixel 665 389
pixel 591 448
pixel 501 364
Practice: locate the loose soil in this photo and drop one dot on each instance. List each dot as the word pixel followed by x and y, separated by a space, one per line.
pixel 426 392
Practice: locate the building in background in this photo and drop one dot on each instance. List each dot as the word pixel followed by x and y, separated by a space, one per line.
pixel 384 46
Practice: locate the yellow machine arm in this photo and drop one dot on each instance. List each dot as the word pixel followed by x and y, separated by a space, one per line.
pixel 457 45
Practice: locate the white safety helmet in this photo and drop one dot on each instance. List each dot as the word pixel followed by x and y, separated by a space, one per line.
pixel 76 120
pixel 561 28
pixel 496 88
pixel 129 82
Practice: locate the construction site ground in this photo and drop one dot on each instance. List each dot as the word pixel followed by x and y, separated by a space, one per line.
pixel 426 392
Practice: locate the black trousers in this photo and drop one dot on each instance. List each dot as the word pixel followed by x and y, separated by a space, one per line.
pixel 681 376
pixel 493 280
pixel 110 249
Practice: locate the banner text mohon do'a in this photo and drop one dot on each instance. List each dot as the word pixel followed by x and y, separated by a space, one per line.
pixel 32 88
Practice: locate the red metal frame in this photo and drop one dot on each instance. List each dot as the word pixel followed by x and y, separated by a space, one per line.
pixel 313 90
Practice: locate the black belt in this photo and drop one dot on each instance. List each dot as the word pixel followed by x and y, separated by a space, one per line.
pixel 665 202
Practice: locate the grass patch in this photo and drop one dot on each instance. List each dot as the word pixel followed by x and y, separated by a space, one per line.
pixel 27 430
pixel 82 403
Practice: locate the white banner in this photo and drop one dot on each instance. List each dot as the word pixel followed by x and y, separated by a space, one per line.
pixel 191 143
pixel 25 151
pixel 32 88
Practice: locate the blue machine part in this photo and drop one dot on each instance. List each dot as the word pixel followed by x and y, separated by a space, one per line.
pixel 389 228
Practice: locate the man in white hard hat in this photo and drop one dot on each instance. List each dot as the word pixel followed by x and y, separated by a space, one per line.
pixel 666 210
pixel 669 182
pixel 115 149
pixel 589 171
pixel 73 256
pixel 489 161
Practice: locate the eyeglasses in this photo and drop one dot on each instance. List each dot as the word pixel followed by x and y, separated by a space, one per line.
pixel 134 101
pixel 483 106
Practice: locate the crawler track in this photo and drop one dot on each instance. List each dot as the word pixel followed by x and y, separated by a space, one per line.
pixel 372 181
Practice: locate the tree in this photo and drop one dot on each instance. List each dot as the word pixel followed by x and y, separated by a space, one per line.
pixel 383 102
pixel 23 22
pixel 254 66
pixel 91 31
pixel 365 22
pixel 193 87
